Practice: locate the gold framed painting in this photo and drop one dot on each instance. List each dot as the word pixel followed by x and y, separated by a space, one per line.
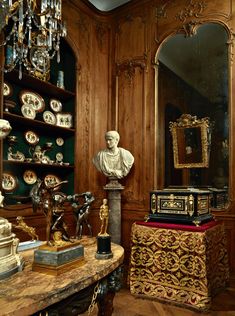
pixel 191 138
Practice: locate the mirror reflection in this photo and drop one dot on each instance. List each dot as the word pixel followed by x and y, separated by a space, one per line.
pixel 193 79
pixel 191 142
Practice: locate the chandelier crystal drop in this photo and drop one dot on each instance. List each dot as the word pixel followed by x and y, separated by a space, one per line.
pixel 32 34
pixel 4 9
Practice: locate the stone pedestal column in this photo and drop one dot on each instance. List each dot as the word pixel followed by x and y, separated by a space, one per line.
pixel 114 189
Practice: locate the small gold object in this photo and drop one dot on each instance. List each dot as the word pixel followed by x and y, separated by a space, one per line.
pixel 197 223
pixel 94 297
pixel 146 218
pixel 104 217
pixel 153 203
pixel 23 226
pixel 58 239
pixel 191 205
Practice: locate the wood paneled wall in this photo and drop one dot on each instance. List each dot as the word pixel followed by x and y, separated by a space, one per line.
pixel 131 40
pixel 117 89
pixel 138 31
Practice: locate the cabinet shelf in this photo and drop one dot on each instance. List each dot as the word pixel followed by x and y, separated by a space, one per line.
pixel 45 132
pixel 37 165
pixel 43 87
pixel 40 125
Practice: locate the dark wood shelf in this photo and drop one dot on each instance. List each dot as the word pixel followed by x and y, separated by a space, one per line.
pixel 37 165
pixel 38 85
pixel 40 125
pixel 46 132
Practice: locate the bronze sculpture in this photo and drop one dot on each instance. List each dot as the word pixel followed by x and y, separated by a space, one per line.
pixel 50 202
pixel 81 212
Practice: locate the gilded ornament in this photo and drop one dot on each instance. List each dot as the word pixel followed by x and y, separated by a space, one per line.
pixel 24 227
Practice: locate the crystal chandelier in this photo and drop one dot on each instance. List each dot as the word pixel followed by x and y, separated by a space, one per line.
pixel 4 9
pixel 32 35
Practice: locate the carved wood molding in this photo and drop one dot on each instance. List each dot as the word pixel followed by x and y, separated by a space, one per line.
pixel 128 67
pixel 129 18
pixel 188 18
pixel 194 9
pixel 190 28
pixel 101 32
pixel 82 23
pixel 122 27
pixel 230 43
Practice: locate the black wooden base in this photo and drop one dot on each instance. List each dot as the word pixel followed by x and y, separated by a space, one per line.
pixel 103 247
pixel 180 219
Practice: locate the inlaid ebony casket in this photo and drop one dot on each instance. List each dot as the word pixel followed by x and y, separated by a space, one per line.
pixel 185 206
pixel 219 197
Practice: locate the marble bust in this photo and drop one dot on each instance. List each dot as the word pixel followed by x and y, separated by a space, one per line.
pixel 113 161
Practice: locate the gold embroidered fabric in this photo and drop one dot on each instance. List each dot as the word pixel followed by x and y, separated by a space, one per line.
pixel 185 267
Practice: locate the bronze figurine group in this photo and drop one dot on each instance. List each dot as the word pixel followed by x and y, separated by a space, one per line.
pixel 46 198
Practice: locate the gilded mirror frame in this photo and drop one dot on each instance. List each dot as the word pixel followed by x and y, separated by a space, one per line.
pixel 186 121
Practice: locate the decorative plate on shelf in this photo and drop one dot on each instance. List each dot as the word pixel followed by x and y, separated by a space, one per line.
pixel 64 120
pixel 52 180
pixel 59 157
pixel 7 90
pixel 59 141
pixel 9 182
pixel 49 117
pixel 30 176
pixel 33 99
pixel 31 137
pixel 28 111
pixel 46 159
pixel 55 105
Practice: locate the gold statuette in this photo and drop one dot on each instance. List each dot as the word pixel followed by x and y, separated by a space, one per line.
pixel 104 217
pixel 23 226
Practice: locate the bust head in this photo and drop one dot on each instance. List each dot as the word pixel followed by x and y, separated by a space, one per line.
pixel 113 161
pixel 112 139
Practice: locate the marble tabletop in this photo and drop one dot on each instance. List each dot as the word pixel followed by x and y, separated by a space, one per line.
pixel 28 292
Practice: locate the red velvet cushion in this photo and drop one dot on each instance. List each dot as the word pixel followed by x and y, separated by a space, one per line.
pixel 195 228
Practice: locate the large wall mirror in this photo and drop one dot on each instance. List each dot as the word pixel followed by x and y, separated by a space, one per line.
pixel 193 78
